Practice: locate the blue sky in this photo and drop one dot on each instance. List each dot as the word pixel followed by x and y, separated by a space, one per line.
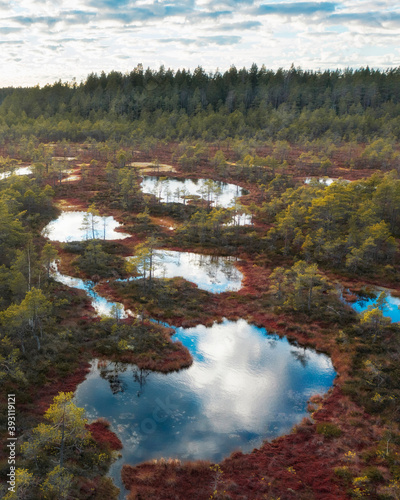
pixel 42 41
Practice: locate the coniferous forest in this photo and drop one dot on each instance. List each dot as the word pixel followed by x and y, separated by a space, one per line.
pixel 314 233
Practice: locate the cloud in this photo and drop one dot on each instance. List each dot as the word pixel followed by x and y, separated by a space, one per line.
pixel 6 31
pixel 77 17
pixel 245 25
pixel 30 20
pixel 205 40
pixel 79 40
pixel 127 17
pixel 71 17
pixel 101 34
pixel 295 8
pixel 374 19
pixel 212 15
pixel 110 4
pixel 54 47
pixel 11 42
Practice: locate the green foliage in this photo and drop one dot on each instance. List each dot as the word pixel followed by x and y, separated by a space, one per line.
pixel 10 365
pixel 303 288
pixel 328 429
pixel 57 484
pixel 95 261
pixel 344 473
pixel 143 262
pixel 349 225
pixel 287 105
pixel 27 319
pixel 65 433
pixel 24 480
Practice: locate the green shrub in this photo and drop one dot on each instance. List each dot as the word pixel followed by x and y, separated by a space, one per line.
pixel 343 473
pixel 328 430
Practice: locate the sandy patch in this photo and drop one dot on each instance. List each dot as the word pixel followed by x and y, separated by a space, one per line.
pixel 146 166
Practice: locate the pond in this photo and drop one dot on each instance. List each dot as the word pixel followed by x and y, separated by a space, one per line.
pixel 181 190
pixel 390 310
pixel 244 386
pixel 17 171
pixel 71 226
pixel 209 272
pixel 102 306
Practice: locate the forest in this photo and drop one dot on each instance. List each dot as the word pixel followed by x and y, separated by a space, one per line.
pixel 314 231
pixel 257 103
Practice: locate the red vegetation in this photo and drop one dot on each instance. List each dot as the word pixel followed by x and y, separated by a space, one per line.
pixel 103 436
pixel 44 395
pixel 299 465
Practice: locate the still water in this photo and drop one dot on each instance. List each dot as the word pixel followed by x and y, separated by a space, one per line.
pixel 180 190
pixel 325 180
pixel 390 309
pixel 71 226
pixel 244 386
pixel 211 273
pixel 102 306
pixel 16 171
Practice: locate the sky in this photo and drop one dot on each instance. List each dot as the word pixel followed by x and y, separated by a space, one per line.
pixel 43 41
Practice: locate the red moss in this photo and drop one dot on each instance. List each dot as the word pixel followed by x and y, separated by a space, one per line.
pixel 103 436
pixel 44 395
pixel 298 465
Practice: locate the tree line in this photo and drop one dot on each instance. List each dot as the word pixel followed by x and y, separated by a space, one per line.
pixel 167 104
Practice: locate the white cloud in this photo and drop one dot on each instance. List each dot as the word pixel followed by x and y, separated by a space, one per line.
pixel 118 34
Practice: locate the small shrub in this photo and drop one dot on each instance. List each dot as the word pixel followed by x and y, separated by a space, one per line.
pixel 343 473
pixel 374 475
pixel 328 429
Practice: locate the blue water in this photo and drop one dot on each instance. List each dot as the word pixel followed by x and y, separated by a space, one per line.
pixel 211 273
pixel 102 306
pixel 244 386
pixel 391 309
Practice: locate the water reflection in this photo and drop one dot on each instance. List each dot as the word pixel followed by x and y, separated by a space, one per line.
pixel 391 307
pixel 73 226
pixel 102 306
pixel 111 373
pixel 16 171
pixel 243 386
pixel 209 272
pixel 324 180
pixel 213 193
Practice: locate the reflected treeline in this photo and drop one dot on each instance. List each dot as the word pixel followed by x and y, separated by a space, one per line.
pixel 207 191
pixel 301 355
pixel 111 371
pixel 140 376
pixel 209 272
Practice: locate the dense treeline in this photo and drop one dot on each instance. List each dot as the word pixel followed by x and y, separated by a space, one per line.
pixel 287 104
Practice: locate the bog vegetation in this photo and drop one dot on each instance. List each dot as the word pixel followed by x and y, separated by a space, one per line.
pixel 306 248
